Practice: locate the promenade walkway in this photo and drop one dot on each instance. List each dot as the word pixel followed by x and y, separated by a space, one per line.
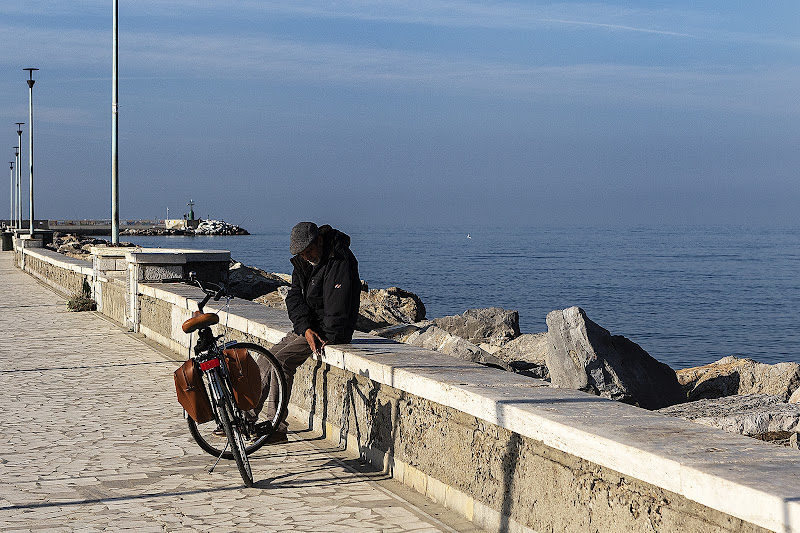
pixel 92 439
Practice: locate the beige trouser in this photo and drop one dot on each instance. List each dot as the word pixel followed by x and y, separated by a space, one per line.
pixel 291 352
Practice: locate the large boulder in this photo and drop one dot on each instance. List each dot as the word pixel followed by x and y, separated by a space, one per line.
pixel 381 308
pixel 493 325
pixel 251 283
pixel 587 357
pixel 72 249
pixel 427 335
pixel 763 416
pixel 733 375
pixel 527 355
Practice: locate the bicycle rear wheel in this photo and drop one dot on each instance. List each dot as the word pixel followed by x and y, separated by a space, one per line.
pixel 212 441
pixel 234 436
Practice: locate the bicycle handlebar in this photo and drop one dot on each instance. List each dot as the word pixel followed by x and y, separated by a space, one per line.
pixel 212 290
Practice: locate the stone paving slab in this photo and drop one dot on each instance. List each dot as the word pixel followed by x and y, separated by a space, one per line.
pixel 93 440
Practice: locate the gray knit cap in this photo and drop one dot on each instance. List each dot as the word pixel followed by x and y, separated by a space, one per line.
pixel 303 234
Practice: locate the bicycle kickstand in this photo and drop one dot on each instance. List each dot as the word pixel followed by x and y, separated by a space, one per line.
pixel 210 470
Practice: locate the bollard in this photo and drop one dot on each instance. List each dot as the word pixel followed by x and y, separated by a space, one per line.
pixel 7 241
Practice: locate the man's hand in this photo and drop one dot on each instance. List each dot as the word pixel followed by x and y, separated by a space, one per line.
pixel 315 342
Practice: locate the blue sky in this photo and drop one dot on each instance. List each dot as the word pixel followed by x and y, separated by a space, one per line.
pixel 416 112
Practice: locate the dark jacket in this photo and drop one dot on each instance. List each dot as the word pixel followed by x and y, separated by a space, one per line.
pixel 326 297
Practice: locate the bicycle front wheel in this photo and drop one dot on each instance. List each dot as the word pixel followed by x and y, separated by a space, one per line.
pixel 262 423
pixel 234 435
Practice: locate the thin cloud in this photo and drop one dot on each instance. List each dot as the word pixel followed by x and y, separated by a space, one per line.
pixel 84 54
pixel 493 14
pixel 459 13
pixel 697 86
pixel 466 14
pixel 69 116
pixel 665 22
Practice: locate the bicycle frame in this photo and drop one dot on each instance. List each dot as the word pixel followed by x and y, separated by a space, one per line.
pixel 213 367
pixel 227 414
pixel 212 363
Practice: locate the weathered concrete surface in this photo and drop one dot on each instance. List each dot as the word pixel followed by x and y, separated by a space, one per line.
pixel 93 440
pixel 67 282
pixel 448 454
pixel 111 299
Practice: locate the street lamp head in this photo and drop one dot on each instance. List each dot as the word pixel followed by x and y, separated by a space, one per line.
pixel 12 165
pixel 31 81
pixel 16 150
pixel 19 127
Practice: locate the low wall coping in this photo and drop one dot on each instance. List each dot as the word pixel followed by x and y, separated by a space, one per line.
pixel 173 256
pixel 744 477
pixel 112 251
pixel 60 260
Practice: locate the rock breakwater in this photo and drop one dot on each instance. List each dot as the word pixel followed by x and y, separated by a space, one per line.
pixel 736 395
pixel 79 246
pixel 206 227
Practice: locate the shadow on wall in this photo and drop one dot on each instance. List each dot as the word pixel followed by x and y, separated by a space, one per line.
pixel 319 367
pixel 510 462
pixel 374 425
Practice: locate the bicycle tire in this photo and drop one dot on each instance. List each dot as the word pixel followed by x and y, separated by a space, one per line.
pixel 213 444
pixel 225 410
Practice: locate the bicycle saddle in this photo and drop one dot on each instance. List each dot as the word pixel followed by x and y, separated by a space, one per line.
pixel 200 320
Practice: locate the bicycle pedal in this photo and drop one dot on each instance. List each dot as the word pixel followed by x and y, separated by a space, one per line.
pixel 264 428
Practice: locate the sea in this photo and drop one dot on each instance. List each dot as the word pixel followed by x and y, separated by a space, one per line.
pixel 688 295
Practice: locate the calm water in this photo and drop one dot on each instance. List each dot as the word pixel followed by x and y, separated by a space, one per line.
pixel 688 296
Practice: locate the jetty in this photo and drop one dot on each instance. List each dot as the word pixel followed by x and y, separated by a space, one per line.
pixel 505 452
pixel 133 227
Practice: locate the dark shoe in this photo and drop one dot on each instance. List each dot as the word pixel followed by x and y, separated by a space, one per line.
pixel 279 437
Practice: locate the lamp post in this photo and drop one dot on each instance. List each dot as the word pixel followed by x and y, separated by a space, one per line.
pixel 115 128
pixel 11 210
pixel 19 176
pixel 31 81
pixel 15 187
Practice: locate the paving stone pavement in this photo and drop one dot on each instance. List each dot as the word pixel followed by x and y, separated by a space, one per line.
pixel 93 439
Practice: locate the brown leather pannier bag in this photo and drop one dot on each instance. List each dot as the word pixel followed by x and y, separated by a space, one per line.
pixel 192 393
pixel 245 377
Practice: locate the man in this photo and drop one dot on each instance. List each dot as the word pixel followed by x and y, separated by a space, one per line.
pixel 322 302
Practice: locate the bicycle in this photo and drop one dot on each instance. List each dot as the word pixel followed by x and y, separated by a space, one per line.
pixel 242 430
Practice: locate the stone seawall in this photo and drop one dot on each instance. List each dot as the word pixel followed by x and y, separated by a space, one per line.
pixel 508 452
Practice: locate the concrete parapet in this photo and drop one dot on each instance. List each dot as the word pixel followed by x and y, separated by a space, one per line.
pixel 64 274
pixel 509 452
pixel 108 260
pixel 155 264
